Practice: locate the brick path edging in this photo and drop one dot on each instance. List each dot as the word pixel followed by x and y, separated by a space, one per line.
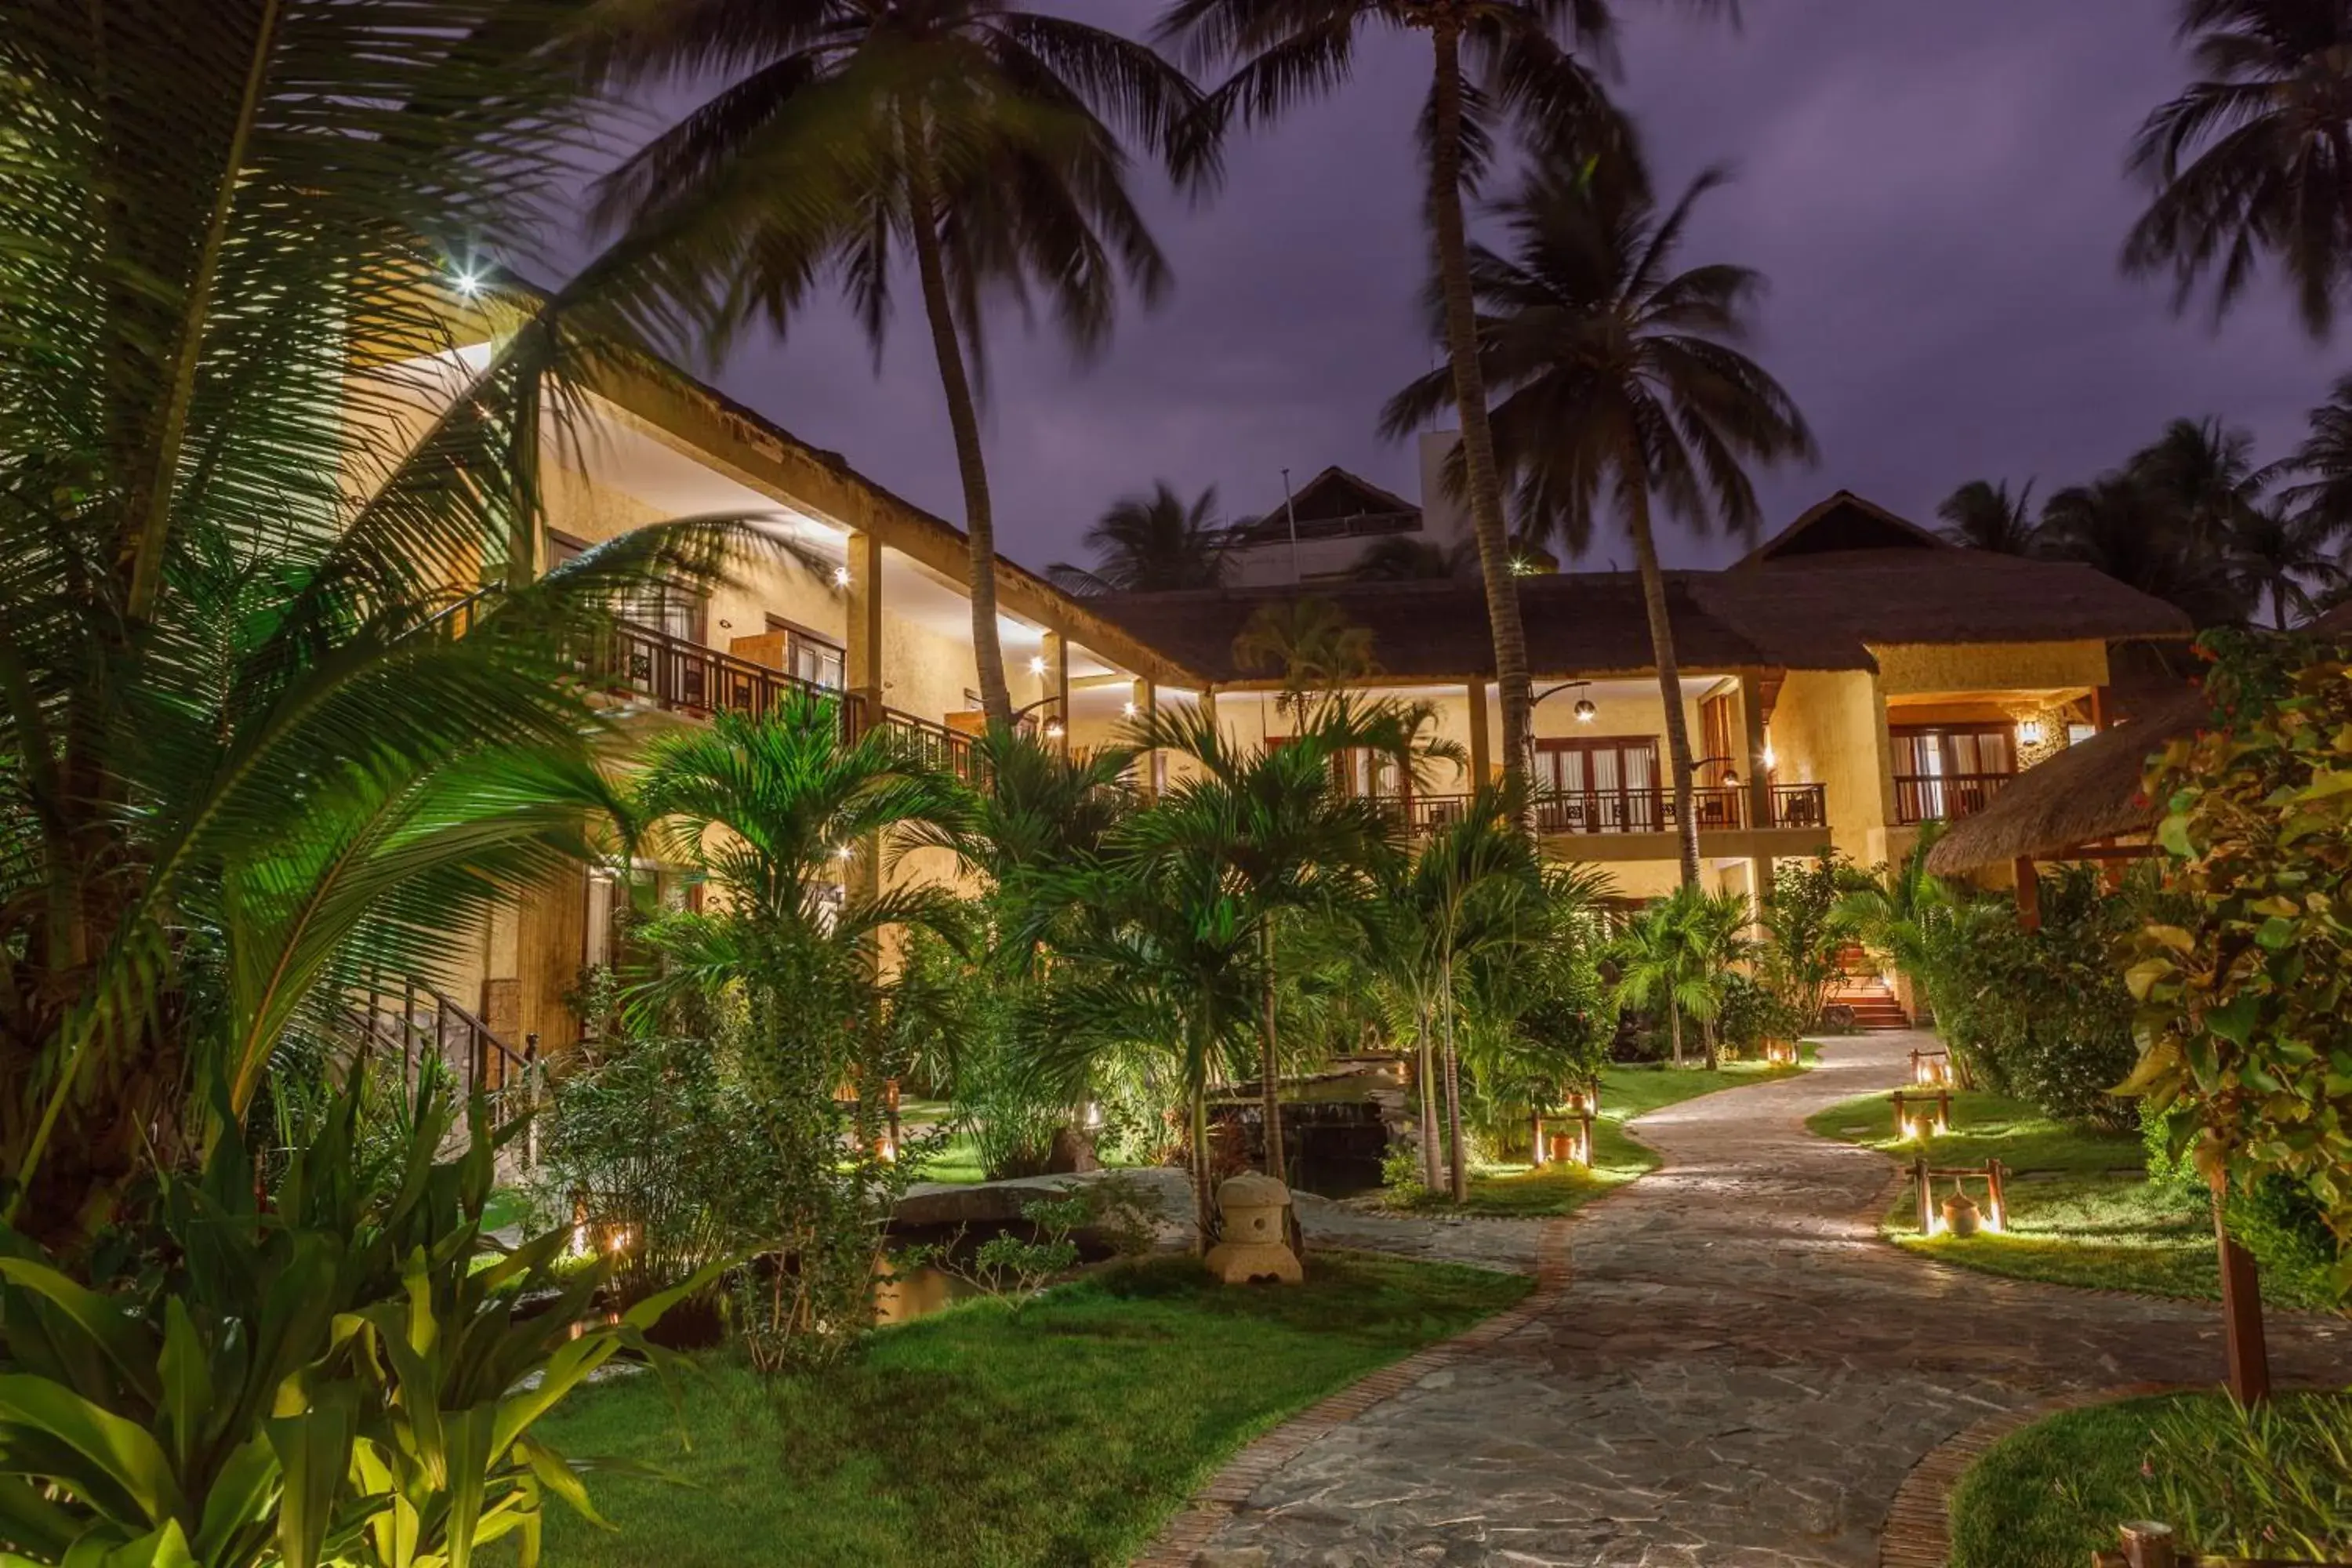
pixel 1918 1530
pixel 1181 1539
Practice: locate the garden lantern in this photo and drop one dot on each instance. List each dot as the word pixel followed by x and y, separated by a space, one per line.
pixel 1254 1244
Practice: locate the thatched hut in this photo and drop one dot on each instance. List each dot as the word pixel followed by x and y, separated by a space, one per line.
pixel 2084 804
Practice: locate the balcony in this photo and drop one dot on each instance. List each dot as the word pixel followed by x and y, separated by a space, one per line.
pixel 1944 797
pixel 1624 813
pixel 676 676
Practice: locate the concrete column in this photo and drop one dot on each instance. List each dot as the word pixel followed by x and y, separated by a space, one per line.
pixel 1759 777
pixel 862 650
pixel 1482 767
pixel 1146 703
pixel 1056 680
pixel 862 674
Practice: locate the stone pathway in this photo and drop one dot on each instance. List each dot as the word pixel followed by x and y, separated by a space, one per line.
pixel 1738 1375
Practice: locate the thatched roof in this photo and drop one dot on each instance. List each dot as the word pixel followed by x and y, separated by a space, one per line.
pixel 1845 522
pixel 1822 611
pixel 2085 792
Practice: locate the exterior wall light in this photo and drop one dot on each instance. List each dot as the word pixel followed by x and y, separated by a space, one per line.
pixel 841 576
pixel 1037 664
pixel 1053 729
pixel 1585 711
pixel 1128 709
pixel 467 283
pixel 2029 731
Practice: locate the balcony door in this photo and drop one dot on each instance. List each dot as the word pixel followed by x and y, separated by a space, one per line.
pixel 1944 772
pixel 1606 784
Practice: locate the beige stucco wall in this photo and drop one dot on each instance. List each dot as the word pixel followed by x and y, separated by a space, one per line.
pixel 1910 668
pixel 1829 728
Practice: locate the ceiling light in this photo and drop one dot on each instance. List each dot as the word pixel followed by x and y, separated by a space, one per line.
pixel 1585 712
pixel 467 283
pixel 1037 664
pixel 844 853
pixel 841 576
pixel 1128 709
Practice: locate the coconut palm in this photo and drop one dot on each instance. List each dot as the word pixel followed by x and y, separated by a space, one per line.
pixel 1617 376
pixel 2285 559
pixel 2321 465
pixel 2137 534
pixel 2205 470
pixel 257 739
pixel 1981 515
pixel 2249 164
pixel 1494 62
pixel 989 138
pixel 1152 544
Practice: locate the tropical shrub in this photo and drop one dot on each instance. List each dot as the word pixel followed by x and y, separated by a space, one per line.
pixel 1807 923
pixel 1751 1014
pixel 2245 985
pixel 2041 1015
pixel 345 1373
pixel 2273 1478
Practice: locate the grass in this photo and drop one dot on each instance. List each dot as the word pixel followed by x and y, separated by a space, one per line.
pixel 1061 1435
pixel 1626 1092
pixel 2080 1209
pixel 2048 1496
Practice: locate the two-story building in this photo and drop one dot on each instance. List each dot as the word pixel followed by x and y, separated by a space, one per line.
pixel 1849 679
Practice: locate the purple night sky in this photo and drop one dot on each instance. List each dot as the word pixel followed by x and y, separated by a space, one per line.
pixel 1935 192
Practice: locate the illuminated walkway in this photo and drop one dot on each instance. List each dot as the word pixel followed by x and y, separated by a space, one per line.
pixel 1739 1373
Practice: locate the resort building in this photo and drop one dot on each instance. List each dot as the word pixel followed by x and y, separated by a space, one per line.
pixel 1850 678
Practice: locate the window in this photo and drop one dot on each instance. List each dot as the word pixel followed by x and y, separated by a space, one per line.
pixel 1942 771
pixel 816 659
pixel 1605 784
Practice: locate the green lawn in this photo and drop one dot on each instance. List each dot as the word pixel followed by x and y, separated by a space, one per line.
pixel 1626 1092
pixel 1063 1434
pixel 2048 1496
pixel 2080 1209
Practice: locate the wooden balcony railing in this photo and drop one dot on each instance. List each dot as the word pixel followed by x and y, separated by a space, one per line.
pixel 1930 797
pixel 1718 810
pixel 682 677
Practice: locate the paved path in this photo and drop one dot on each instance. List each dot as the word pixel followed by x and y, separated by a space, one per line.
pixel 1739 1375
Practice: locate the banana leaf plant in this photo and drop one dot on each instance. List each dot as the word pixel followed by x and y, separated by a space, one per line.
pixel 334 1371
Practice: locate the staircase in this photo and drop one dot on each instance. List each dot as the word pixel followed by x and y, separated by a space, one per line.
pixel 1871 999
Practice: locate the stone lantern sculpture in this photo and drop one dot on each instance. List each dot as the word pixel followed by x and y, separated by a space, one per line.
pixel 1254 1247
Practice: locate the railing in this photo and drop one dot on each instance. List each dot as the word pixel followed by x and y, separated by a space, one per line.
pixel 932 744
pixel 1717 810
pixel 679 676
pixel 426 1033
pixel 1929 797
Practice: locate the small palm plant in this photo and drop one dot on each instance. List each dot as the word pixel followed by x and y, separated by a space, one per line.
pixel 1660 965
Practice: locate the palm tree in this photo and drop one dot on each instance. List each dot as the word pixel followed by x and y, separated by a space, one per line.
pixel 1169 964
pixel 2283 557
pixel 1491 60
pixel 1400 559
pixel 255 740
pixel 2206 470
pixel 1981 515
pixel 1476 891
pixel 2125 527
pixel 1658 964
pixel 1151 544
pixel 983 135
pixel 1278 832
pixel 2323 464
pixel 2250 163
pixel 1311 641
pixel 1716 927
pixel 1619 376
